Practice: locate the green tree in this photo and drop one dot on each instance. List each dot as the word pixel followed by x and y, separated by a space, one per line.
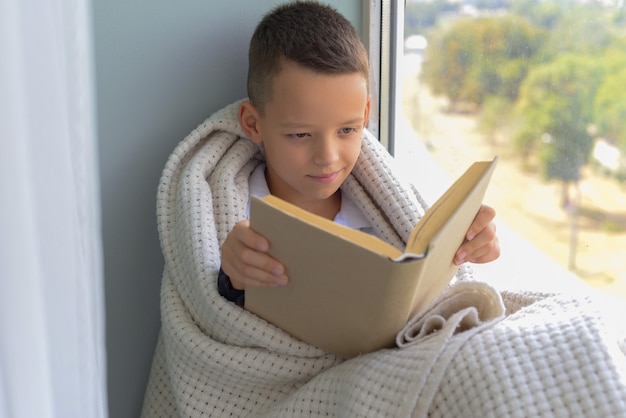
pixel 446 63
pixel 421 16
pixel 544 14
pixel 477 58
pixel 556 105
pixel 584 30
pixel 609 106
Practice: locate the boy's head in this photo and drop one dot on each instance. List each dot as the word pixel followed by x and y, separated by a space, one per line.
pixel 309 103
pixel 309 34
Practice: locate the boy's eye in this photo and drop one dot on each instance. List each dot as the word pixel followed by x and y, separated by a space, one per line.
pixel 347 131
pixel 299 135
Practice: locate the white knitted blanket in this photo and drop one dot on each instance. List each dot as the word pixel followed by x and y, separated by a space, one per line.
pixel 550 355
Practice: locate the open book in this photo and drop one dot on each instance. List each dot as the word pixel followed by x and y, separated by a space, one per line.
pixel 350 292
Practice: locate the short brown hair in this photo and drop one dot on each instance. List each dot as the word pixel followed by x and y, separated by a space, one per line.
pixel 310 34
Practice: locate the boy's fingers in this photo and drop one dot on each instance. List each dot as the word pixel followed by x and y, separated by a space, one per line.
pixel 485 253
pixel 248 237
pixel 242 275
pixel 478 253
pixel 483 218
pixel 252 268
pixel 483 246
pixel 257 278
pixel 256 260
pixel 488 257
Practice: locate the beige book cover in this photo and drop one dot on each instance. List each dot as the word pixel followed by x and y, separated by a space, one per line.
pixel 350 292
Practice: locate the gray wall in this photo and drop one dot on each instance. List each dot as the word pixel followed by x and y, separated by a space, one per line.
pixel 161 68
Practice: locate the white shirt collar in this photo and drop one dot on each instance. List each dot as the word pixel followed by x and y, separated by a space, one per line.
pixel 349 214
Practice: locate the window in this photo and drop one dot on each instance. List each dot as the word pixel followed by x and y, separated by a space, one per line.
pixel 541 85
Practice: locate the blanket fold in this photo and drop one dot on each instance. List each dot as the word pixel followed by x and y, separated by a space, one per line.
pixel 216 359
pixel 461 307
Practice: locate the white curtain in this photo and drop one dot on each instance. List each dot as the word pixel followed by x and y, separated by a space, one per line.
pixel 52 352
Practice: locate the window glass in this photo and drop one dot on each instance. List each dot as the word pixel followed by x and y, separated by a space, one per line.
pixel 542 85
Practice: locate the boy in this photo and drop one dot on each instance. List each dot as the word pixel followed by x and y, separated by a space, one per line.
pixel 301 137
pixel 308 105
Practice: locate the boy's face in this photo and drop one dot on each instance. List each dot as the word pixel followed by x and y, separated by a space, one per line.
pixel 311 132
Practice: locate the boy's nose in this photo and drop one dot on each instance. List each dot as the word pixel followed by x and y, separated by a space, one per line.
pixel 326 150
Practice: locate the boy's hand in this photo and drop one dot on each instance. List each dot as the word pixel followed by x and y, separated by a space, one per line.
pixel 246 262
pixel 481 244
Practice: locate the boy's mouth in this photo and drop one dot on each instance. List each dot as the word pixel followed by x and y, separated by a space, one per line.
pixel 325 178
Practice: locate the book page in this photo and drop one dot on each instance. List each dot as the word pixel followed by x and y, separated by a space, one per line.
pixel 474 180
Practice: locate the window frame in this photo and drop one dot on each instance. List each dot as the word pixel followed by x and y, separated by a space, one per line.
pixel 384 33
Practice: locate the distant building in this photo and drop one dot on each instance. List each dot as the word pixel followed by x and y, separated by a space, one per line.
pixel 415 44
pixel 608 156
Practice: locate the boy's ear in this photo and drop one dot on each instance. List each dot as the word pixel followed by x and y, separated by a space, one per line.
pixel 249 121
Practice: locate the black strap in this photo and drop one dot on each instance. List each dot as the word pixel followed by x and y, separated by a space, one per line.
pixel 226 289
